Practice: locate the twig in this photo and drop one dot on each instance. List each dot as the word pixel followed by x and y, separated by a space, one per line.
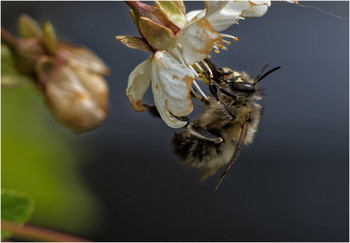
pixel 28 232
pixel 7 38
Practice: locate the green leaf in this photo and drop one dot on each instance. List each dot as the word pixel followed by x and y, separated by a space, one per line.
pixel 16 206
pixel 5 234
pixel 28 27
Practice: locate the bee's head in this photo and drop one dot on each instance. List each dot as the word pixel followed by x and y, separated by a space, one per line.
pixel 241 81
pixel 237 81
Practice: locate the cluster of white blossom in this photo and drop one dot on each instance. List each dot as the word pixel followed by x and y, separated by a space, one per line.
pixel 179 43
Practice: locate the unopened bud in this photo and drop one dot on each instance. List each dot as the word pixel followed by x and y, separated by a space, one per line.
pixel 77 97
pixel 70 78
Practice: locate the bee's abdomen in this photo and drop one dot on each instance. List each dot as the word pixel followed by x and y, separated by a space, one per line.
pixel 196 152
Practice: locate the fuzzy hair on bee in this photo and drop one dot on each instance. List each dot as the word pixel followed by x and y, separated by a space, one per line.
pixel 230 120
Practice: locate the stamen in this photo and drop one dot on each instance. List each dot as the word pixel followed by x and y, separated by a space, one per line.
pixel 216 49
pixel 178 55
pixel 199 67
pixel 205 80
pixel 208 69
pixel 229 36
pixel 222 47
pixel 200 91
pixel 198 97
pixel 194 71
pixel 227 42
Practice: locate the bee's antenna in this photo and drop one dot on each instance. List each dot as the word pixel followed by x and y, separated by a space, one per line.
pixel 261 71
pixel 258 79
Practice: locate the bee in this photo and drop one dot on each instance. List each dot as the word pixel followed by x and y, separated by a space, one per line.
pixel 229 121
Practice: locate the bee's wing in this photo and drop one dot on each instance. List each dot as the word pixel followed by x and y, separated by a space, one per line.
pixel 208 172
pixel 238 147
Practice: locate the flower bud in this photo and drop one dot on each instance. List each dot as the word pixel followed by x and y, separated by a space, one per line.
pixel 74 87
pixel 70 78
pixel 77 97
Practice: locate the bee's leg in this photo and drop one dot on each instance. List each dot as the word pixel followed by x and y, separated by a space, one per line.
pixel 208 172
pixel 228 110
pixel 214 91
pixel 200 133
pixel 228 93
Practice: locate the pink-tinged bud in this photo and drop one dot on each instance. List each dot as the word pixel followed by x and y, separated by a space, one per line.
pixel 74 87
pixel 27 51
pixel 144 10
pixel 77 97
pixel 70 78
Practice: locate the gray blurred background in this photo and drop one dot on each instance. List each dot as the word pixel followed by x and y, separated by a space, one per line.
pixel 291 184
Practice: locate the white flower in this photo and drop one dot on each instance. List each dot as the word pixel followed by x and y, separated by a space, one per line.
pixel 179 43
pixel 171 82
pixel 170 69
pixel 223 14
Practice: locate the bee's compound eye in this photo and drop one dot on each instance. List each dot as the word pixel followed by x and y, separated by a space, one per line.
pixel 245 87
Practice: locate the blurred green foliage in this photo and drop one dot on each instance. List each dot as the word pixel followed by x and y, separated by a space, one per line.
pixel 9 74
pixel 16 207
pixel 39 159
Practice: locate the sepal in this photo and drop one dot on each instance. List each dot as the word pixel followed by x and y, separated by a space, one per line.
pixel 158 36
pixel 174 10
pixel 134 42
pixel 28 27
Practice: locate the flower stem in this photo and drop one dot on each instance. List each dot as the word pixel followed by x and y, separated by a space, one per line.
pixel 28 232
pixel 8 39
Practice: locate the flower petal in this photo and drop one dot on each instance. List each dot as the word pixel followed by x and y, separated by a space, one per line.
pixel 234 11
pixel 139 80
pixel 71 102
pixel 197 40
pixel 213 7
pixel 229 15
pixel 171 84
pixel 257 9
pixel 82 57
pixel 96 85
pixel 194 15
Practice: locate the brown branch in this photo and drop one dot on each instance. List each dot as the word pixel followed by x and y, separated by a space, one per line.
pixel 28 232
pixel 8 39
